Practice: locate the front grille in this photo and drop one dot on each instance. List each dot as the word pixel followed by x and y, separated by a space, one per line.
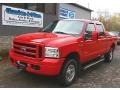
pixel 28 50
pixel 33 56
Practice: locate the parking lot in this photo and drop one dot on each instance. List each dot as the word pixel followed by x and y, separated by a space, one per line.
pixel 101 75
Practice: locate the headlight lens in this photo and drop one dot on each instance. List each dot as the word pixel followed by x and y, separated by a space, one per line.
pixel 51 52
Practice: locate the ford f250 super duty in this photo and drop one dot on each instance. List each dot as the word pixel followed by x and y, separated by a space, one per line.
pixel 63 48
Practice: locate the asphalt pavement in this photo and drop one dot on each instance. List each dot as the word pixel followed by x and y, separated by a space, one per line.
pixel 102 75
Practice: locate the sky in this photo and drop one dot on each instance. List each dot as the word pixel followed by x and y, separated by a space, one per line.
pixel 112 6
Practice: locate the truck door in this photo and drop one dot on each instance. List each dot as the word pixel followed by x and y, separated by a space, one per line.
pixel 90 47
pixel 102 40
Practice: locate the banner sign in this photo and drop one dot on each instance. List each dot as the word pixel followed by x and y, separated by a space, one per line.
pixel 66 14
pixel 21 17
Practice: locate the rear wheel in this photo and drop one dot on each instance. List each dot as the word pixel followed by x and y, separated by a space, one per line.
pixel 68 72
pixel 109 55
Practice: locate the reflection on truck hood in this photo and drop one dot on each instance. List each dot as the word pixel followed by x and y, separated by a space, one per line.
pixel 46 38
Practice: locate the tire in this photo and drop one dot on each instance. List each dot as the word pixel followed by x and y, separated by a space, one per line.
pixel 109 55
pixel 68 72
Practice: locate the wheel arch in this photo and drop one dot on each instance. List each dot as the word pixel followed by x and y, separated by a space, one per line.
pixel 74 55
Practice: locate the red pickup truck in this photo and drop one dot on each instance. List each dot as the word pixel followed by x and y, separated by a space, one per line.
pixel 63 48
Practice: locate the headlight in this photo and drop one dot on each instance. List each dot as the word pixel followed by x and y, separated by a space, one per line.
pixel 51 52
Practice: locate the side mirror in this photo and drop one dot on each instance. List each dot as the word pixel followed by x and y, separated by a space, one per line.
pixel 94 35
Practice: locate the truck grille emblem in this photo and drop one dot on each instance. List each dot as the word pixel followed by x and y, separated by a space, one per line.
pixel 23 49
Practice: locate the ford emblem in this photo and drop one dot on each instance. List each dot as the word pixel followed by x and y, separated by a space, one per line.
pixel 23 49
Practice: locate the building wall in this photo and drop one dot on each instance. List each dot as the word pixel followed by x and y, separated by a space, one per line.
pixel 13 30
pixel 80 13
pixel 6 30
pixel 47 17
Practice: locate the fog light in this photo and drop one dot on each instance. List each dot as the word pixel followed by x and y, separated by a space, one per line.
pixel 36 67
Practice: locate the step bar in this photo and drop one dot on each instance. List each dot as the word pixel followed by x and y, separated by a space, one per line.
pixel 92 64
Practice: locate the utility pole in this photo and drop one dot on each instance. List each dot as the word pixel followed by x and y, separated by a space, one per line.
pixel 88 5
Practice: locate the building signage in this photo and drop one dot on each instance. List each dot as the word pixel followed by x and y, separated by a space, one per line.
pixel 21 17
pixel 66 14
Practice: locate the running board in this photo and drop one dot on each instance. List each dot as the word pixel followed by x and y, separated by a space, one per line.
pixel 92 64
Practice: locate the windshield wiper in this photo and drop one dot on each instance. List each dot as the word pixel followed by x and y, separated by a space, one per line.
pixel 60 32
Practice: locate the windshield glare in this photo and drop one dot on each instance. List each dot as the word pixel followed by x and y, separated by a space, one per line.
pixel 65 27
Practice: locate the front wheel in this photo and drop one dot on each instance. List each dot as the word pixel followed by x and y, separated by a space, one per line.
pixel 68 72
pixel 109 55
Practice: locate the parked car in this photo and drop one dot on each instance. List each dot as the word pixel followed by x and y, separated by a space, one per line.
pixel 63 49
pixel 117 35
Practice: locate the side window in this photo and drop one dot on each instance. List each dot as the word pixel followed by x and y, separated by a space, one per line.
pixel 100 29
pixel 90 28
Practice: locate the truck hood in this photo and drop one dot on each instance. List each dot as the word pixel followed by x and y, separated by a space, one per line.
pixel 45 38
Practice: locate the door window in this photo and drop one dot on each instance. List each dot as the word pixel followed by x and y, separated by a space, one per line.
pixel 88 34
pixel 100 29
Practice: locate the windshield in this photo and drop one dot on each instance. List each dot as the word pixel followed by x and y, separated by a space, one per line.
pixel 65 27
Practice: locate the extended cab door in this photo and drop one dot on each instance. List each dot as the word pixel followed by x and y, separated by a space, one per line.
pixel 102 39
pixel 90 47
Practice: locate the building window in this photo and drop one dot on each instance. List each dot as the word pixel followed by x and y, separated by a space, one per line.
pixel 17 5
pixel 40 7
pixel 32 6
pixel 50 8
pixel 36 7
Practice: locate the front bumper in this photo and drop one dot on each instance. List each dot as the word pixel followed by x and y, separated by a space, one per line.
pixel 47 66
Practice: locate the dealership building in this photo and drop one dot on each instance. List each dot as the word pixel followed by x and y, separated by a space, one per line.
pixel 16 19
